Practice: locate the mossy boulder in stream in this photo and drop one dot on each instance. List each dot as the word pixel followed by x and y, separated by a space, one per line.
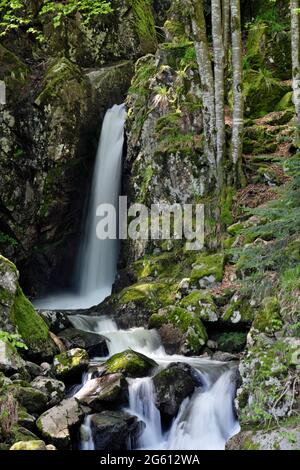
pixel 181 330
pixel 70 364
pixel 130 363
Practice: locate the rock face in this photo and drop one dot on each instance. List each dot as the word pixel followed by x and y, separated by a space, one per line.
pixel 112 388
pixel 54 389
pixel 58 424
pixel 172 385
pixel 17 314
pixel 115 430
pixel 93 343
pixel 70 364
pixel 10 361
pixel 130 363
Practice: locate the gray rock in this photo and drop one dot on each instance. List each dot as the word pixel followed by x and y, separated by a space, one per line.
pixel 105 389
pixel 54 389
pixel 26 420
pixel 281 438
pixel 33 400
pixel 114 430
pixel 93 343
pixel 10 361
pixel 33 369
pixel 59 424
pixel 172 385
pixel 56 321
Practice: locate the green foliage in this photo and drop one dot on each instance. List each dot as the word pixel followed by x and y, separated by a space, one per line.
pixel 13 339
pixel 280 226
pixel 7 240
pixel 21 14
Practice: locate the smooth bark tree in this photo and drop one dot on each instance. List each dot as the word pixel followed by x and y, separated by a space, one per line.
pixel 218 46
pixel 295 36
pixel 237 83
pixel 206 76
pixel 226 29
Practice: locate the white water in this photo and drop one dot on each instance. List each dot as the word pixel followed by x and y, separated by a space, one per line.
pixel 205 421
pixel 97 259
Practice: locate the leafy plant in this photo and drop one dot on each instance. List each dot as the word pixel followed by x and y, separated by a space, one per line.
pixel 13 339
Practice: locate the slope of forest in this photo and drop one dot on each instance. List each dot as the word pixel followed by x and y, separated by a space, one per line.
pixel 235 300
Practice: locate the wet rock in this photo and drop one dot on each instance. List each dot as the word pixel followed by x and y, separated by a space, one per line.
pixel 112 388
pixel 60 423
pixel 10 361
pixel 115 430
pixel 33 369
pixel 93 343
pixel 172 385
pixel 70 364
pixel 54 389
pixel 56 321
pixel 130 363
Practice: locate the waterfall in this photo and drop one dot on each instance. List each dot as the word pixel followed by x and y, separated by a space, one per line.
pixel 142 405
pixel 86 438
pixel 97 259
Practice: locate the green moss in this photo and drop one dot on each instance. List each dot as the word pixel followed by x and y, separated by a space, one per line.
pixel 144 23
pixel 130 363
pixel 268 319
pixel 70 362
pixel 201 303
pixel 13 71
pixel 30 325
pixel 189 323
pixel 239 310
pixel 226 205
pixel 208 265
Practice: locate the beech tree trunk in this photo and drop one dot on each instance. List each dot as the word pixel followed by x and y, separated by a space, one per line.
pixel 237 81
pixel 295 34
pixel 206 77
pixel 226 29
pixel 218 46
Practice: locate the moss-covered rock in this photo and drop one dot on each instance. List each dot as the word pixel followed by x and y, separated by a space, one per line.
pixel 231 341
pixel 110 388
pixel 130 363
pixel 70 364
pixel 187 334
pixel 10 361
pixel 29 445
pixel 239 310
pixel 34 401
pixel 207 269
pixel 200 302
pixel 13 71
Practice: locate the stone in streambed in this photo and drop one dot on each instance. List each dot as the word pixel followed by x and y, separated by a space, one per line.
pixel 70 364
pixel 130 363
pixel 114 430
pixel 60 423
pixel 34 401
pixel 172 385
pixel 29 445
pixel 10 361
pixel 93 343
pixel 106 389
pixel 54 389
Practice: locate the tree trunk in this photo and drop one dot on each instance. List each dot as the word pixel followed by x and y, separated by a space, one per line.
pixel 206 77
pixel 295 33
pixel 226 29
pixel 237 81
pixel 218 46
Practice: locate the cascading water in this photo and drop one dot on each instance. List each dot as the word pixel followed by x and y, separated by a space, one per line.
pixel 206 420
pixel 97 260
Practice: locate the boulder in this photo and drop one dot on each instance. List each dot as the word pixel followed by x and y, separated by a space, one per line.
pixel 61 422
pixel 172 385
pixel 34 370
pixel 54 389
pixel 130 363
pixel 93 343
pixel 106 389
pixel 113 430
pixel 10 361
pixel 17 314
pixel 34 401
pixel 181 330
pixel 56 321
pixel 26 420
pixel 70 364
pixel 280 438
pixel 29 445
